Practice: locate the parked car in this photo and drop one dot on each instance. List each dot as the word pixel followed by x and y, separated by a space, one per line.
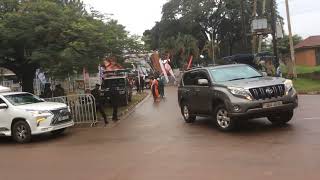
pixel 122 85
pixel 231 93
pixel 24 115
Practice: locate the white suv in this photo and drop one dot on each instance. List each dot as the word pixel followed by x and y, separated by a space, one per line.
pixel 23 115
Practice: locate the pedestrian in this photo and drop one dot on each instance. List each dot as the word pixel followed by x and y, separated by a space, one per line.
pixel 99 102
pixel 161 85
pixel 47 92
pixel 58 91
pixel 155 88
pixel 137 83
pixel 142 83
pixel 115 96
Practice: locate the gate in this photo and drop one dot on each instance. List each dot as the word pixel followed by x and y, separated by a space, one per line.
pixel 83 107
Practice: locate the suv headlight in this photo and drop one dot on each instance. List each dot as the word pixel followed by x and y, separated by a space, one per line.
pixel 288 86
pixel 40 113
pixel 240 92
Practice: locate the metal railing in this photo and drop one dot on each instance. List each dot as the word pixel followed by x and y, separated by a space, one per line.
pixel 82 106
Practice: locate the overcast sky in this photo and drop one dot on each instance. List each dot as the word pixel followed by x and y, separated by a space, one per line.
pixel 139 15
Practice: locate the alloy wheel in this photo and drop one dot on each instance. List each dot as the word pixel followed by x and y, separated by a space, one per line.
pixel 223 119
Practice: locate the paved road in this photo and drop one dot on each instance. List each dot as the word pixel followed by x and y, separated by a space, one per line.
pixel 154 143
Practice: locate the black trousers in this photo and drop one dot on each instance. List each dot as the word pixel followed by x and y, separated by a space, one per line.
pixel 115 111
pixel 100 109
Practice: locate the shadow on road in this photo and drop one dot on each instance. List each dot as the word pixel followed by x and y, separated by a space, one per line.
pixel 248 127
pixel 44 138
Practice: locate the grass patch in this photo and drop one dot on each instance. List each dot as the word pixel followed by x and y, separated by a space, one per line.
pixel 301 69
pixel 304 85
pixel 307 69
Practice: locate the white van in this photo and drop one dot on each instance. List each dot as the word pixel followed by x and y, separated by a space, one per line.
pixel 23 115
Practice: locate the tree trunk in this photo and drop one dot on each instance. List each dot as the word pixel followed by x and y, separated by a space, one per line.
pixel 27 75
pixel 27 82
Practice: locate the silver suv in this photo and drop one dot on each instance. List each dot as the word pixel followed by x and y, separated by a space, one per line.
pixel 234 92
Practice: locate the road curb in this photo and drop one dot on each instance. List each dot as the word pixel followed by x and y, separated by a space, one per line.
pixel 309 93
pixel 124 115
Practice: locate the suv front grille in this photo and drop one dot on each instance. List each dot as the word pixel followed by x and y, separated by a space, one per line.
pixel 268 92
pixel 59 114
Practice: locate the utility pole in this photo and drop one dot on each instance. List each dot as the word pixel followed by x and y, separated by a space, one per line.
pixel 254 37
pixel 291 41
pixel 274 38
pixel 263 13
pixel 243 24
pixel 213 52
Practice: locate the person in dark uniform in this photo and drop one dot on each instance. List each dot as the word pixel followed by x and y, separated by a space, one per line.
pixel 137 83
pixel 99 102
pixel 142 83
pixel 114 98
pixel 47 92
pixel 58 91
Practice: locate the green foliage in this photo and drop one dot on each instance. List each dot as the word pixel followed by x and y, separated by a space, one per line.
pixel 284 45
pixel 225 22
pixel 60 36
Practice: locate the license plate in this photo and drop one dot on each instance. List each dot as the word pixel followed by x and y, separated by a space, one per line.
pixel 272 104
pixel 64 118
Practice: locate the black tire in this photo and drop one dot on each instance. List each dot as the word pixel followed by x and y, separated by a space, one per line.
pixel 222 120
pixel 281 119
pixel 21 132
pixel 58 132
pixel 186 113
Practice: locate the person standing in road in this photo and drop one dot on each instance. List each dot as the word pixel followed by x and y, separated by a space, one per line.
pixel 155 89
pixel 99 102
pixel 161 86
pixel 137 83
pixel 115 96
pixel 142 83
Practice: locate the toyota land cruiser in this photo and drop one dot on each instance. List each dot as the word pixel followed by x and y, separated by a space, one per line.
pixel 230 93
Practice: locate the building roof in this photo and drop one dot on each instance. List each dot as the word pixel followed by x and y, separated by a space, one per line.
pixel 312 41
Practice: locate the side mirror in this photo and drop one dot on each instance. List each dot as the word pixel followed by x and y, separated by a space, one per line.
pixel 264 74
pixel 203 82
pixel 3 106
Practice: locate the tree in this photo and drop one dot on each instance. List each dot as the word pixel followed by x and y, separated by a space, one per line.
pixel 226 23
pixel 284 45
pixel 60 36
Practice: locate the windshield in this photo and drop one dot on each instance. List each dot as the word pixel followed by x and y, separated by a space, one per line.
pixel 108 83
pixel 22 99
pixel 234 73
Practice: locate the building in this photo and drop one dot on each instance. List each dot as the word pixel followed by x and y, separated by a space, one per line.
pixel 307 52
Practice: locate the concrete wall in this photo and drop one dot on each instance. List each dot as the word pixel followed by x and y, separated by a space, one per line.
pixel 306 57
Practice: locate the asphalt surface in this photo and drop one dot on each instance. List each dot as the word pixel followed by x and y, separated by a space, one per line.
pixel 154 143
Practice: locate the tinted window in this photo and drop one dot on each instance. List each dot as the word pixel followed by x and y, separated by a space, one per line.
pixel 189 79
pixel 108 83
